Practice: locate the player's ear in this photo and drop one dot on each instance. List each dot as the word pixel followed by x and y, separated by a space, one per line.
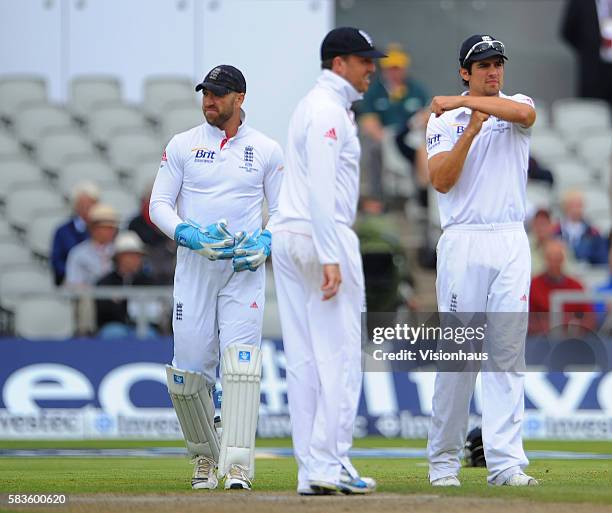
pixel 239 99
pixel 464 73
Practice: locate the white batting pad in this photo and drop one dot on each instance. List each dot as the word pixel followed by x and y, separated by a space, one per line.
pixel 241 377
pixel 195 410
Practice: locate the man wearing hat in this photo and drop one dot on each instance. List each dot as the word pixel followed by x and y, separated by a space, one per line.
pixel 91 259
pixel 113 316
pixel 317 266
pixel 478 148
pixel 208 196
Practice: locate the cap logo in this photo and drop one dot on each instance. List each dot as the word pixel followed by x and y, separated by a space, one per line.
pixel 367 37
pixel 215 73
pixel 487 38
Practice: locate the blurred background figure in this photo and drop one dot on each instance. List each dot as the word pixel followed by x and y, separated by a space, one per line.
pixel 582 238
pixel 554 278
pixel 91 259
pixel 587 28
pixel 117 317
pixel 74 231
pixel 394 106
pixel 160 257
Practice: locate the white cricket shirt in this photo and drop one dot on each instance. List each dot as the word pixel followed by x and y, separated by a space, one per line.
pixel 208 177
pixel 493 182
pixel 321 183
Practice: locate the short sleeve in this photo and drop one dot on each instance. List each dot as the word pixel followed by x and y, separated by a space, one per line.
pixel 438 138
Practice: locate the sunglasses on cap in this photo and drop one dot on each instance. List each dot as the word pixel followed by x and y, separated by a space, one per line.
pixel 483 46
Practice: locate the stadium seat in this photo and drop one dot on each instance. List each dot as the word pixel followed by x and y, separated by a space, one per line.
pixel 44 318
pixel 86 168
pixel 549 148
pixel 144 174
pixel 178 117
pixel 161 91
pixel 12 253
pixel 37 119
pixel 15 170
pixel 16 90
pixel 572 174
pixel 126 203
pixel 6 232
pixel 542 123
pixel 41 230
pixel 580 117
pixel 108 118
pixel 55 149
pixel 23 278
pixel 9 146
pixel 26 199
pixel 86 91
pixel 539 195
pixel 127 148
pixel 597 206
pixel 596 149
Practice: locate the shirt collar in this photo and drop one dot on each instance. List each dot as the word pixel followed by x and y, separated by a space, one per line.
pixel 340 86
pixel 221 133
pixel 80 224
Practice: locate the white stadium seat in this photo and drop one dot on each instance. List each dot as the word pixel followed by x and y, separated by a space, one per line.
pixel 16 90
pixel 15 170
pixel 572 174
pixel 87 90
pixel 9 146
pixel 125 202
pixel 44 318
pixel 23 278
pixel 107 118
pixel 539 195
pixel 596 205
pixel 581 116
pixel 57 148
pixel 542 123
pixel 12 253
pixel 143 175
pixel 41 230
pixel 596 149
pixel 161 91
pixel 25 201
pixel 180 116
pixel 127 148
pixel 38 119
pixel 92 169
pixel 548 148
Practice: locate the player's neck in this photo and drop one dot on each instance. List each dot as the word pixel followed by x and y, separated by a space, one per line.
pixel 231 127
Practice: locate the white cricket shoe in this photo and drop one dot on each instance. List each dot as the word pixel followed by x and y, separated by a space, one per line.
pixel 355 485
pixel 237 478
pixel 446 481
pixel 323 487
pixel 204 475
pixel 520 479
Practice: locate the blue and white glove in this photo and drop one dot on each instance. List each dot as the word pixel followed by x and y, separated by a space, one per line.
pixel 214 242
pixel 251 251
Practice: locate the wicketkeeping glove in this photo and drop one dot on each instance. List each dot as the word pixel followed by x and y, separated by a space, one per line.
pixel 214 242
pixel 251 251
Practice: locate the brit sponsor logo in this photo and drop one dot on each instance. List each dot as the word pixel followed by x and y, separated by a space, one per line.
pixel 433 141
pixel 204 155
pixel 460 129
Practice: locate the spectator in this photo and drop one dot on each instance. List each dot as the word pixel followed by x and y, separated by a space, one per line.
pixel 605 308
pixel 160 256
pixel 74 231
pixel 542 230
pixel 537 173
pixel 585 241
pixel 92 258
pixel 554 278
pixel 395 103
pixel 115 316
pixel 587 28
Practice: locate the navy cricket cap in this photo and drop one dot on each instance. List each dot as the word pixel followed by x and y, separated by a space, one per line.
pixel 479 47
pixel 348 41
pixel 223 79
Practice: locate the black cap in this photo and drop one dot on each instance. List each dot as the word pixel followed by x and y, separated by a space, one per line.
pixel 348 41
pixel 223 79
pixel 469 43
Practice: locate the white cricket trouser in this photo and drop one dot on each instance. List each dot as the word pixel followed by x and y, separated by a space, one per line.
pixel 213 308
pixel 481 268
pixel 322 341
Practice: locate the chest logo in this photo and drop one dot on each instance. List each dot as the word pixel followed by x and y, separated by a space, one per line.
pixel 248 159
pixel 204 155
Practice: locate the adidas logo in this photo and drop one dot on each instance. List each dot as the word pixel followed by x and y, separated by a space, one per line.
pixel 254 305
pixel 524 297
pixel 331 133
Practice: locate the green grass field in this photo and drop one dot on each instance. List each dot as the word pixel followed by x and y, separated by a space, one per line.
pixel 561 480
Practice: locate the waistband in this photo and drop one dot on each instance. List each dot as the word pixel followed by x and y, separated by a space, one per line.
pixel 301 227
pixel 489 227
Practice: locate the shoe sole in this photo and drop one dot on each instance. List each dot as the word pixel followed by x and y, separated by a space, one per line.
pixel 323 488
pixel 237 486
pixel 347 490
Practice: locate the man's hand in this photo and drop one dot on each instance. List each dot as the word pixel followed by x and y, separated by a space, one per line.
pixel 331 280
pixel 476 120
pixel 251 251
pixel 442 104
pixel 214 242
